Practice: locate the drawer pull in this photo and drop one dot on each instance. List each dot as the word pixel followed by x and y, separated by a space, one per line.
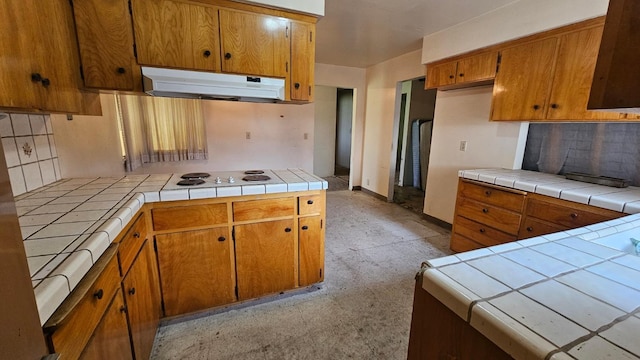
pixel 98 294
pixel 529 229
pixel 574 216
pixel 488 192
pixel 136 235
pixel 221 238
pixel 305 227
pixel 482 230
pixel 485 210
pixel 132 291
pixel 310 202
pixel 287 230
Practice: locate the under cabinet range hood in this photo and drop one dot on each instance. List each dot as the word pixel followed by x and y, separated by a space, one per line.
pixel 207 85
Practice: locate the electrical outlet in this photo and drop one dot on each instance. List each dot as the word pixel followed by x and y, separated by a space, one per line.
pixel 463 145
pixel 248 135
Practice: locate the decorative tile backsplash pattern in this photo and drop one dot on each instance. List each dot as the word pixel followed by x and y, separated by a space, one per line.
pixel 30 151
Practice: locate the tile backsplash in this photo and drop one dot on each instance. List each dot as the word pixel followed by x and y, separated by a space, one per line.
pixel 30 151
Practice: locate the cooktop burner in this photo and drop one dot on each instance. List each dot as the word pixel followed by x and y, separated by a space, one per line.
pixel 254 172
pixel 256 178
pixel 195 175
pixel 190 182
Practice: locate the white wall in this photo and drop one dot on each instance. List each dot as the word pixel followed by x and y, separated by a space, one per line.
pixel 324 139
pixel 88 146
pixel 349 78
pixel 463 115
pixel 512 21
pixel 378 147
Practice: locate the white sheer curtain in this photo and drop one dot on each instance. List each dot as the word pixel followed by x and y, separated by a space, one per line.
pixel 161 129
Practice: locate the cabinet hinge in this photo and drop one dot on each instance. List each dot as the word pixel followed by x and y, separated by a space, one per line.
pixel 155 245
pixel 135 51
pixel 320 273
pixel 310 36
pixel 309 90
pixel 81 73
pixel 130 8
pixel 321 222
pixel 286 66
pixel 286 33
pixel 162 305
pixel 236 291
pixel 233 234
pixel 499 61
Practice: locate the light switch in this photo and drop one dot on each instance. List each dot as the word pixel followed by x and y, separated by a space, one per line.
pixel 463 145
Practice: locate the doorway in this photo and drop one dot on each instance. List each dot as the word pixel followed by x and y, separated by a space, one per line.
pixel 344 117
pixel 413 126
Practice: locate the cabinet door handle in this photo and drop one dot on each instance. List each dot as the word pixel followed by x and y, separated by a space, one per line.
pixel 451 76
pixel 121 70
pixel 123 309
pixel 221 238
pixel 574 216
pixel 310 202
pixel 554 106
pixel 488 192
pixel 482 230
pixel 305 227
pixel 287 230
pixel 132 291
pixel 536 107
pixel 529 229
pixel 461 75
pixel 297 86
pixel 485 210
pixel 227 56
pixel 98 294
pixel 136 235
pixel 206 53
pixel 46 82
pixel 36 77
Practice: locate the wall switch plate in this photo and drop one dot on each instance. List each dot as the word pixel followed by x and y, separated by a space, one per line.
pixel 463 145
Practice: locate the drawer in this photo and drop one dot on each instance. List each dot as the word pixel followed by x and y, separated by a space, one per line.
pixel 263 209
pixel 492 196
pixel 568 215
pixel 182 217
pixel 480 233
pixel 310 205
pixel 532 228
pixel 492 216
pixel 131 242
pixel 83 309
pixel 460 243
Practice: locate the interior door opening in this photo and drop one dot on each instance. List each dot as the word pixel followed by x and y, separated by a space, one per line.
pixel 414 124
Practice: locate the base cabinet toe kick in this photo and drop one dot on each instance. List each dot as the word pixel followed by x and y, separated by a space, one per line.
pixel 180 257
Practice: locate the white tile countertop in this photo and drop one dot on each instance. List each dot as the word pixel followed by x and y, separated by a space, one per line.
pixel 625 200
pixel 568 295
pixel 67 225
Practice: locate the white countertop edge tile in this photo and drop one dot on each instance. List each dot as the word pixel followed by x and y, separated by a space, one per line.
pixel 75 267
pixel 50 293
pixel 112 228
pixel 512 337
pixel 453 295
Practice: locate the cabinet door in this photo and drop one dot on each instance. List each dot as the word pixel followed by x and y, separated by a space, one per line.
pixel 311 245
pixel 176 34
pixel 254 44
pixel 196 270
pixel 441 75
pixel 105 38
pixel 477 68
pixel 111 338
pixel 523 81
pixel 575 65
pixel 17 62
pixel 143 302
pixel 265 258
pixel 303 50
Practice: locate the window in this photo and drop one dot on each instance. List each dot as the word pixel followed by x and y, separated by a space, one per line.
pixel 160 129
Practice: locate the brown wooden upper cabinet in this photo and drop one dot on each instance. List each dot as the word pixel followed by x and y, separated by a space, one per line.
pixel 105 39
pixel 549 79
pixel 254 44
pixel 29 42
pixel 176 34
pixel 463 72
pixel 303 50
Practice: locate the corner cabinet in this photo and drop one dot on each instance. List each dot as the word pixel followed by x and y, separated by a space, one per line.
pixel 110 340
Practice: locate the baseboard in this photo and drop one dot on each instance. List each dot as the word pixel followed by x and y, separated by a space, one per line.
pixel 443 224
pixel 356 188
pixel 374 194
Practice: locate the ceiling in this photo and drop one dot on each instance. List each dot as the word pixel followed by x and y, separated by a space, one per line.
pixel 361 33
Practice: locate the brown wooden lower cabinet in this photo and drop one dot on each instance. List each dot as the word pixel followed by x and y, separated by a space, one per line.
pixel 438 333
pixel 111 338
pixel 269 246
pixel 311 249
pixel 142 298
pixel 197 270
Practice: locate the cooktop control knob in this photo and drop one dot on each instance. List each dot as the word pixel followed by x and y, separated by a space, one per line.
pixel 231 180
pixel 218 180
